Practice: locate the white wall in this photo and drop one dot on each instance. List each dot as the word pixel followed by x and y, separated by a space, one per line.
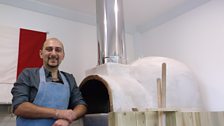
pixel 197 39
pixel 79 39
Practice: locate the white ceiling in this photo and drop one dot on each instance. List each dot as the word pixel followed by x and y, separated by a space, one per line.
pixel 139 15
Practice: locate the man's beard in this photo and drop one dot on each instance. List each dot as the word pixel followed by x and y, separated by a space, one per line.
pixel 53 58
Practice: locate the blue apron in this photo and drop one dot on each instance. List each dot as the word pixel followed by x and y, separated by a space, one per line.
pixel 51 95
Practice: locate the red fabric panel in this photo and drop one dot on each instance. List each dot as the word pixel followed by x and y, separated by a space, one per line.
pixel 30 43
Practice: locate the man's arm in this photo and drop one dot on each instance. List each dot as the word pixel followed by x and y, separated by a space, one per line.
pixel 30 110
pixel 79 111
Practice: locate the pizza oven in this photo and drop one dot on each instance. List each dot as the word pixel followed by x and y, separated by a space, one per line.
pixel 115 86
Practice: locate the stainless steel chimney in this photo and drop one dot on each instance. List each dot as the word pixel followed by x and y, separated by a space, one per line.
pixel 111 49
pixel 110 32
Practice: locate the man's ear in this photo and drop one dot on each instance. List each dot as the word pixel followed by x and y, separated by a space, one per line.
pixel 41 54
pixel 64 56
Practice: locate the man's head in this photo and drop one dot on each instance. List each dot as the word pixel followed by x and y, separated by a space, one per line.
pixel 52 53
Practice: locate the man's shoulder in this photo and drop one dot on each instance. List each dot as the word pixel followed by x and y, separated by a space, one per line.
pixel 66 74
pixel 69 77
pixel 28 72
pixel 31 69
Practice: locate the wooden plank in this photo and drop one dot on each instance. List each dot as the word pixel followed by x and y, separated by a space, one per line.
pixel 151 118
pixel 122 119
pixel 159 93
pixel 164 85
pixel 212 118
pixel 140 118
pixel 205 119
pixel 171 119
pixel 111 119
pixel 188 119
pixel 159 100
pixel 220 118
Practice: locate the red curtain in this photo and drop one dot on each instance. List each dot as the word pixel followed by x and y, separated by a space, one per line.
pixel 30 43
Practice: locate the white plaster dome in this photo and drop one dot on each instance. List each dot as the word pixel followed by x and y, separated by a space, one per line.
pixel 122 87
pixel 182 90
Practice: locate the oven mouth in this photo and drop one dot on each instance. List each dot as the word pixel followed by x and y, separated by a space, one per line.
pixel 95 93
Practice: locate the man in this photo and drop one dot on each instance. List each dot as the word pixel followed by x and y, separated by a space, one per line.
pixel 46 96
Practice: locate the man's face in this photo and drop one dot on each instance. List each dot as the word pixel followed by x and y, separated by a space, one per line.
pixel 52 53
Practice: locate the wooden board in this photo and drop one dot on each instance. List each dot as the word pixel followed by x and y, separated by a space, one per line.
pixel 150 118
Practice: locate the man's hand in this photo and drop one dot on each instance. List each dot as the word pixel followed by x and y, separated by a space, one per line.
pixel 61 122
pixel 66 114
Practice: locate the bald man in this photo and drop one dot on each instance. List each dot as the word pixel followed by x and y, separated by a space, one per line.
pixel 46 96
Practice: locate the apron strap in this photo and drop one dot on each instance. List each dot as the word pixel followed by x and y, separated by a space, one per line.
pixel 42 75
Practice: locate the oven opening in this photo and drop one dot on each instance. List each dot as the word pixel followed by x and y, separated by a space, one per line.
pixel 96 96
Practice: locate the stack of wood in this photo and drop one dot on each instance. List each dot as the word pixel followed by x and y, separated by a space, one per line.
pixel 173 118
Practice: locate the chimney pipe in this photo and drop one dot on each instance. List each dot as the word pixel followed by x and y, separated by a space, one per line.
pixel 110 32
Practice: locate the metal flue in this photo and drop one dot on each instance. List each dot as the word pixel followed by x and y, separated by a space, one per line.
pixel 110 32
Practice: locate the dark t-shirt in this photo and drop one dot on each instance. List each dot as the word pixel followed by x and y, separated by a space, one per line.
pixel 27 84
